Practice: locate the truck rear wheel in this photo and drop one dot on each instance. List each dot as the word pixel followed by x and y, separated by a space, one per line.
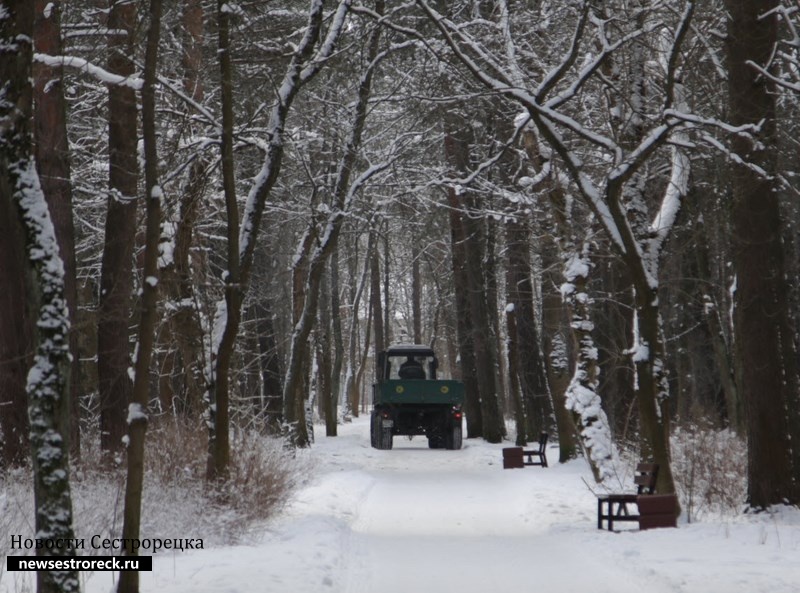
pixel 386 438
pixel 373 430
pixel 453 438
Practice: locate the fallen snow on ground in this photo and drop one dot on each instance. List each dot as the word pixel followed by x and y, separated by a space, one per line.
pixel 415 520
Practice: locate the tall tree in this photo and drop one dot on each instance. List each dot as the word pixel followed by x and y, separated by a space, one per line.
pixel 181 338
pixel 545 97
pixel 137 408
pixel 47 384
pixel 456 148
pixel 116 277
pixel 332 409
pixel 325 241
pixel 53 165
pixel 766 361
pixel 16 340
pixel 304 64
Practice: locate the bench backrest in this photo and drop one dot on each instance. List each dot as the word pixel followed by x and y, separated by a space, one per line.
pixel 646 476
pixel 542 441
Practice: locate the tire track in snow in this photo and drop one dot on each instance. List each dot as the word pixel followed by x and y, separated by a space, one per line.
pixel 430 525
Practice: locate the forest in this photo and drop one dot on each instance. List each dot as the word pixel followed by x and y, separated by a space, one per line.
pixel 215 214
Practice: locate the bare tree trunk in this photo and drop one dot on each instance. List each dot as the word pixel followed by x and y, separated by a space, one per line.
pixel 16 338
pixel 513 374
pixel 373 252
pixel 269 362
pixel 416 292
pixel 456 150
pixel 323 350
pixel 356 292
pixel 493 428
pixel 720 344
pixel 764 350
pixel 326 243
pixel 53 165
pixel 332 421
pixel 228 318
pixel 182 336
pixel 387 292
pixel 116 277
pixel 535 390
pixel 293 404
pixel 493 311
pixel 219 386
pixel 137 410
pixel 556 351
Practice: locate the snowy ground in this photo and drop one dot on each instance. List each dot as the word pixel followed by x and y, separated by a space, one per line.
pixel 414 520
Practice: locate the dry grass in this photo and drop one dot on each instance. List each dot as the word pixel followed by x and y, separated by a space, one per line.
pixel 710 468
pixel 177 501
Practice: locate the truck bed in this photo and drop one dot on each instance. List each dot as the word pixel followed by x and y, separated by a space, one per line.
pixel 398 391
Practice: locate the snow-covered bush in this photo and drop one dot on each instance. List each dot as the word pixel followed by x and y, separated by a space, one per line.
pixel 710 470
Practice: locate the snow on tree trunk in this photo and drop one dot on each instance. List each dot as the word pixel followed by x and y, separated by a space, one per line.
pixel 302 67
pixel 314 261
pixel 53 164
pixel 137 409
pixel 582 397
pixel 48 379
pixel 605 188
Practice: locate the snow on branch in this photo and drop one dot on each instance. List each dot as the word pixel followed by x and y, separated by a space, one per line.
pixel 97 72
pixel 329 44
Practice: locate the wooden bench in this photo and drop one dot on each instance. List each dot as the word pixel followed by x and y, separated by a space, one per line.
pixel 657 510
pixel 514 457
pixel 614 507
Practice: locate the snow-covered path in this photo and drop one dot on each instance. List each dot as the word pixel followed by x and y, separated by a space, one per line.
pixel 415 520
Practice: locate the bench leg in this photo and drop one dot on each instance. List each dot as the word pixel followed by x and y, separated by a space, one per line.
pixel 599 514
pixel 608 516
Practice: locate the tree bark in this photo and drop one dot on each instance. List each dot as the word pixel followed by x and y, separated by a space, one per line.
pixel 137 410
pixel 270 364
pixel 326 242
pixel 53 165
pixel 513 375
pixel 535 390
pixel 116 276
pixel 557 352
pixel 332 420
pixel 375 293
pixel 456 150
pixel 228 317
pixel 47 384
pixel 764 347
pixel 416 293
pixel 182 336
pixel 219 386
pixel 16 338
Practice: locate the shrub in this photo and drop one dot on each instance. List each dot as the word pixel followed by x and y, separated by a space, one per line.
pixel 177 503
pixel 709 466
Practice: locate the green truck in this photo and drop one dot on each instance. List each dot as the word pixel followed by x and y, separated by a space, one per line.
pixel 409 400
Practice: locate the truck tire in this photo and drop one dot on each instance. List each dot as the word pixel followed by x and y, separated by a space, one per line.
pixel 453 438
pixel 373 430
pixel 386 438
